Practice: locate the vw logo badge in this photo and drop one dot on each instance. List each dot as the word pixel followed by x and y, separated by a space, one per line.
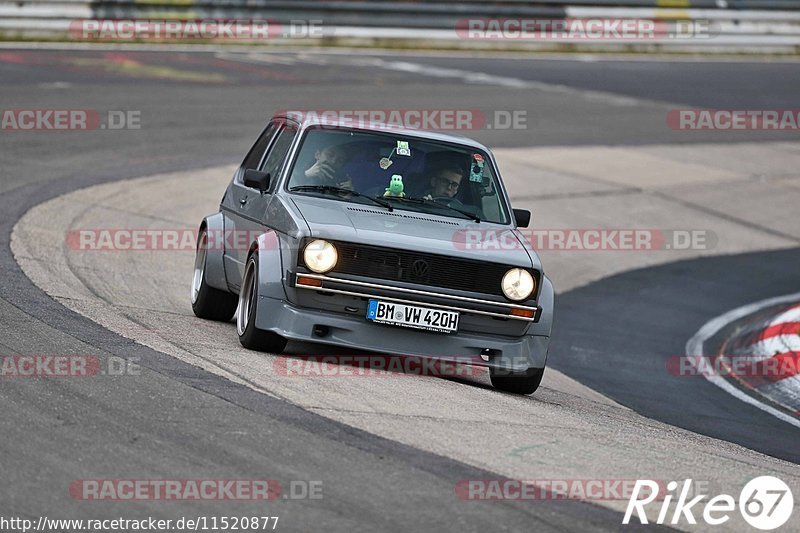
pixel 420 270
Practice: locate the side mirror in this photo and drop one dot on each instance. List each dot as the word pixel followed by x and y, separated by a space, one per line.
pixel 522 217
pixel 256 180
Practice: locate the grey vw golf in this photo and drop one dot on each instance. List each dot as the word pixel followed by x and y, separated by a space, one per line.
pixel 378 238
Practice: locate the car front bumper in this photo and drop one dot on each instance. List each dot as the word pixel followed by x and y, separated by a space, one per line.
pixel 355 331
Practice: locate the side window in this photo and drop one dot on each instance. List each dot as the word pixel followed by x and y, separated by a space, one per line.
pixel 253 158
pixel 276 158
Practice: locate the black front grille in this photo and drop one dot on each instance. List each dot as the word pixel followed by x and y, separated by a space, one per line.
pixel 421 268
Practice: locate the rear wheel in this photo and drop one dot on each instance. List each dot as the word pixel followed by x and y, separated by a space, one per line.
pixel 249 336
pixel 208 302
pixel 517 382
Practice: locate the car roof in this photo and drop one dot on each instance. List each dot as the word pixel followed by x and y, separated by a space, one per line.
pixel 307 120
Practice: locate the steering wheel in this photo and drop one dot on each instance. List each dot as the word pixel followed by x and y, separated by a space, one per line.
pixel 448 201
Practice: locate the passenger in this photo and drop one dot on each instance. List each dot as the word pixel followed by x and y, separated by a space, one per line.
pixel 329 168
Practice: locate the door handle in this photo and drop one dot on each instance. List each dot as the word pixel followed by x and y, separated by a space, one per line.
pixel 243 201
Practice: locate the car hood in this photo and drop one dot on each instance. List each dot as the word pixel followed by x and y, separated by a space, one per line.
pixel 411 230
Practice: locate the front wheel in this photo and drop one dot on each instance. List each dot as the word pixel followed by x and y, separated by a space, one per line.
pixel 249 336
pixel 517 382
pixel 208 302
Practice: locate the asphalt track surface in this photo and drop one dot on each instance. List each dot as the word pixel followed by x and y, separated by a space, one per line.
pixel 599 354
pixel 178 419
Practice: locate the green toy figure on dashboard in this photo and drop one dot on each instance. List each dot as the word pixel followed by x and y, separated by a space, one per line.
pixel 395 187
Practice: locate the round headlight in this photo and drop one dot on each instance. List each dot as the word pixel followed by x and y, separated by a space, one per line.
pixel 320 256
pixel 518 284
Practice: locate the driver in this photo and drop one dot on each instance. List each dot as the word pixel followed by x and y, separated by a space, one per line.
pixel 445 182
pixel 329 168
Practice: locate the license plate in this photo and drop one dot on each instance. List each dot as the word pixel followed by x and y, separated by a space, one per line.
pixel 412 316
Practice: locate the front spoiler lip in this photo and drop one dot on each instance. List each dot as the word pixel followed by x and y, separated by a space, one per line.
pixel 465 299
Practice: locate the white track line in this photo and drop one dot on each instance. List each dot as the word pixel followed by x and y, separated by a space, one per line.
pixel 694 347
pixel 463 76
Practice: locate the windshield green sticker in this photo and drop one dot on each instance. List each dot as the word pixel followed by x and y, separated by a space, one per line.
pixel 403 149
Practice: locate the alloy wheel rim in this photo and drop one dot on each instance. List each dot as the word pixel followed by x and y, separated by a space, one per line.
pixel 246 298
pixel 199 265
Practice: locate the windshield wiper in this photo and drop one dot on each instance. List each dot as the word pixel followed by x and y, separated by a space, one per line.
pixel 415 200
pixel 340 190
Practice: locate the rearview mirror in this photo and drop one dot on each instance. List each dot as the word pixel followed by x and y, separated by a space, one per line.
pixel 522 217
pixel 256 180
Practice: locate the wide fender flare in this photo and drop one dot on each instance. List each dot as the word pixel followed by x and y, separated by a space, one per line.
pixel 215 264
pixel 270 265
pixel 547 303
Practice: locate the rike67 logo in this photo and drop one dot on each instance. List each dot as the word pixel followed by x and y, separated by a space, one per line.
pixel 765 503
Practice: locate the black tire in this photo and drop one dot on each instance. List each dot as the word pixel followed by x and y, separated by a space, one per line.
pixel 251 337
pixel 517 383
pixel 208 302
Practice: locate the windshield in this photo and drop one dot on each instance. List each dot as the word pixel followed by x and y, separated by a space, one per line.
pixel 455 181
